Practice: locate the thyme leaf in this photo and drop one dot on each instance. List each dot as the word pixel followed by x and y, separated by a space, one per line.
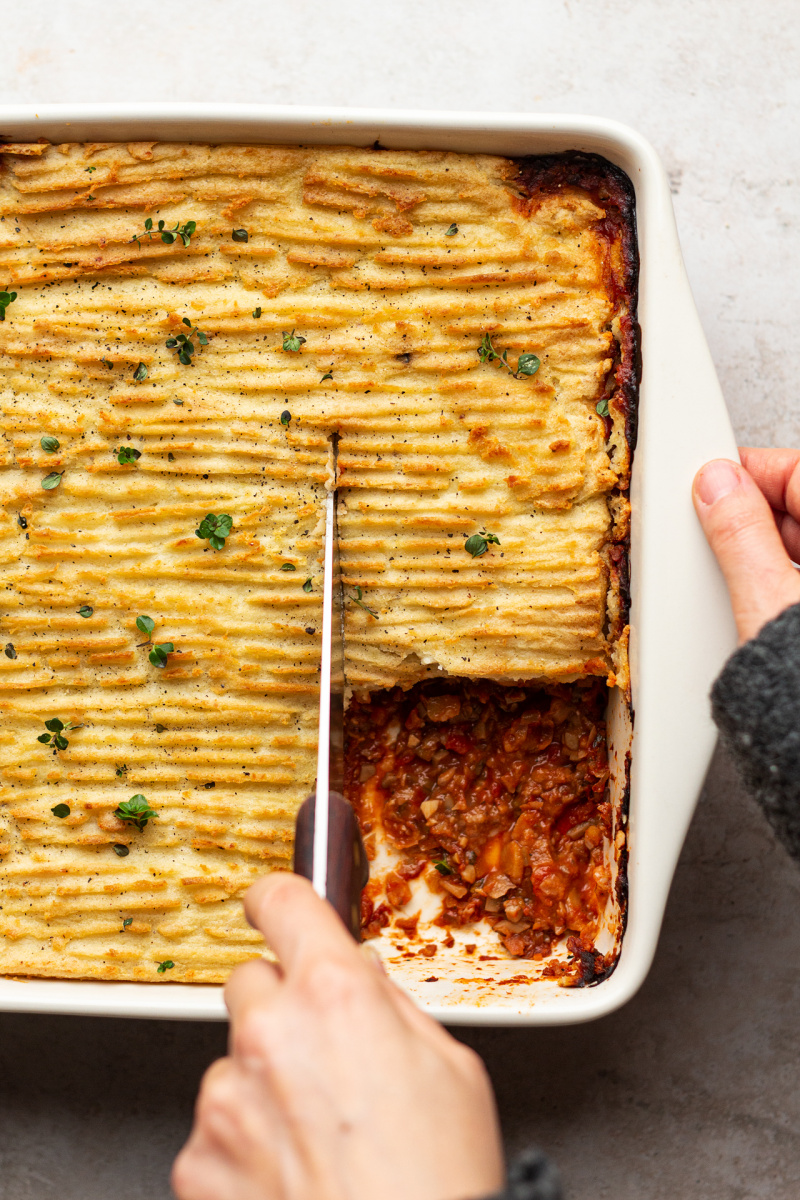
pixel 135 811
pixel 357 600
pixel 527 364
pixel 215 528
pixel 479 543
pixel 50 444
pixel 292 342
pixel 145 625
pixel 6 298
pixel 158 655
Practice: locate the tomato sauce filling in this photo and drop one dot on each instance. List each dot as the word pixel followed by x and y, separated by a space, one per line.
pixel 497 794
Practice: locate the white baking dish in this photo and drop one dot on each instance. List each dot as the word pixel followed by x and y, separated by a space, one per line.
pixel 682 629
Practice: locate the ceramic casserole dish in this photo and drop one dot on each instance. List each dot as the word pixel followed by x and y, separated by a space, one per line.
pixel 681 626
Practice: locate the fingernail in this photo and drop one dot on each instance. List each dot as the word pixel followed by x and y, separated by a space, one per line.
pixel 716 479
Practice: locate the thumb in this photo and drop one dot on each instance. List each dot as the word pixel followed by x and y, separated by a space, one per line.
pixel 741 530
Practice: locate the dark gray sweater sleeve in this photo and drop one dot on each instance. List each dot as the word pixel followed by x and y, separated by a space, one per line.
pixel 531 1176
pixel 756 705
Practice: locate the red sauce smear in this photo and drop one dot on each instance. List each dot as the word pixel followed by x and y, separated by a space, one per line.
pixel 498 794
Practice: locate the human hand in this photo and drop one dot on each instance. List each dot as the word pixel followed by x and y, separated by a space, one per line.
pixel 337 1087
pixel 751 517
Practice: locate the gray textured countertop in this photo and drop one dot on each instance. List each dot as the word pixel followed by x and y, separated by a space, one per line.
pixel 692 1089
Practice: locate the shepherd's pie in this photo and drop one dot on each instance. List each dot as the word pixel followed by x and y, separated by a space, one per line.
pixel 152 380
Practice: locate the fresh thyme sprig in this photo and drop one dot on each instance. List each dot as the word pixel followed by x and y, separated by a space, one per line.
pixel 479 543
pixel 182 344
pixel 216 529
pixel 357 600
pixel 6 298
pixel 184 232
pixel 56 735
pixel 292 342
pixel 527 364
pixel 158 654
pixel 135 811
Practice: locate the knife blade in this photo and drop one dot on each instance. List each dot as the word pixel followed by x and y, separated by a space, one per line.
pixel 330 750
pixel 328 846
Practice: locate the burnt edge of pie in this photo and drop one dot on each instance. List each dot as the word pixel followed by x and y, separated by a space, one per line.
pixel 611 189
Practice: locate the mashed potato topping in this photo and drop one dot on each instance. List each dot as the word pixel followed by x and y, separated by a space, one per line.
pixel 190 323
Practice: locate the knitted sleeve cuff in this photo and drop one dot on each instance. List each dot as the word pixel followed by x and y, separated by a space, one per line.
pixel 531 1176
pixel 756 705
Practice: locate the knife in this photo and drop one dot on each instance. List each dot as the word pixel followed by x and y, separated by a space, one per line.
pixel 328 847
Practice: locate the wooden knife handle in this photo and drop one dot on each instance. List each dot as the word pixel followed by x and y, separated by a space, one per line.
pixel 348 868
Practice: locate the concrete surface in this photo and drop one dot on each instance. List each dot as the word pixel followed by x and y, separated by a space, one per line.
pixel 692 1090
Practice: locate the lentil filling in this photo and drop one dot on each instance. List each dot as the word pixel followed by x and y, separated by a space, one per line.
pixel 498 794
